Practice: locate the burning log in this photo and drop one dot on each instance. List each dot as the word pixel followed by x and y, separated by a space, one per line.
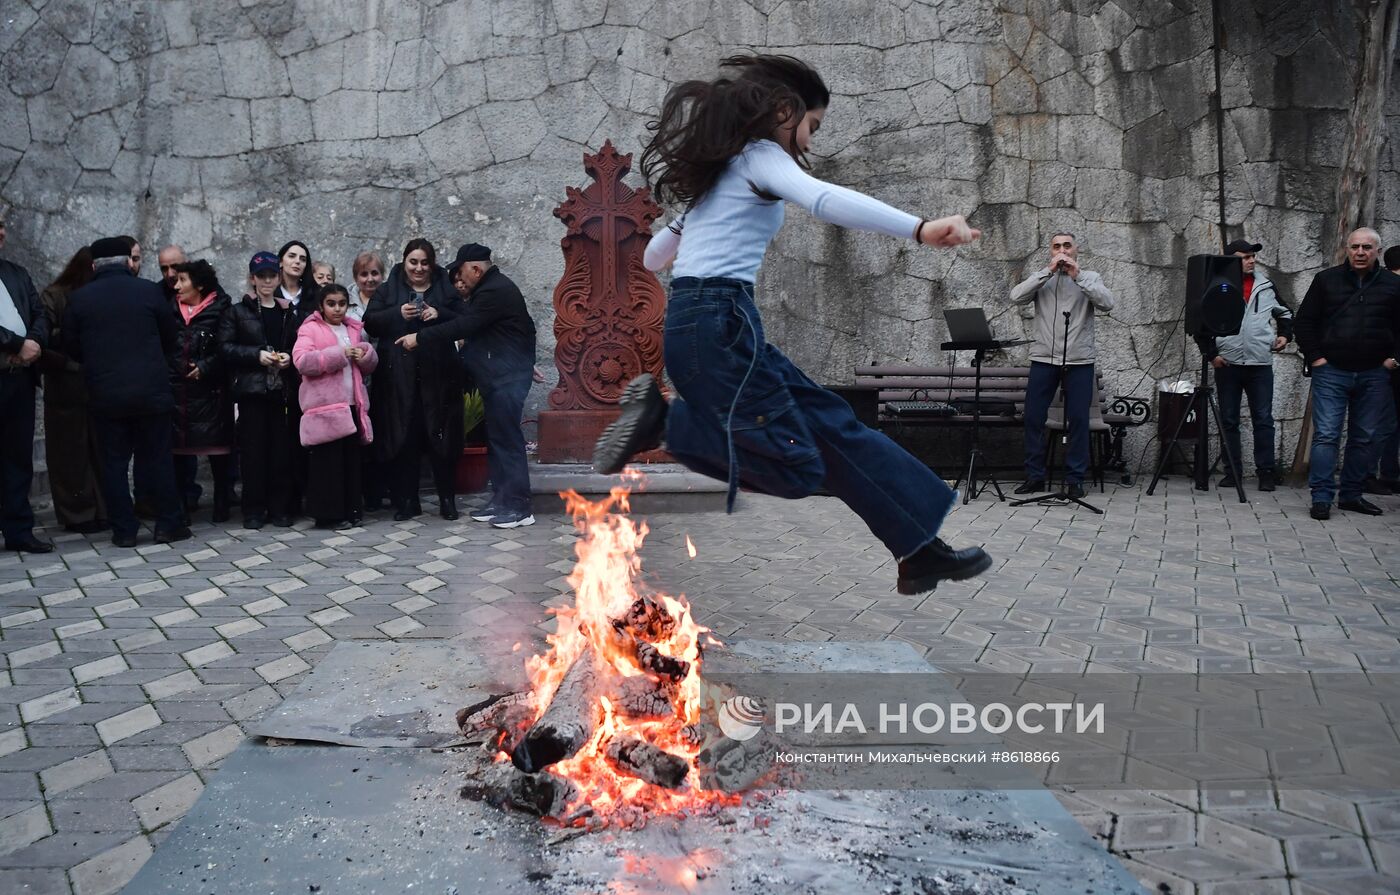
pixel 643 760
pixel 572 717
pixel 644 699
pixel 542 795
pixel 658 663
pixel 504 717
pixel 637 632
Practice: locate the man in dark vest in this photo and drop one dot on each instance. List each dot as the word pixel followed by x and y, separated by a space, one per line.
pixel 123 331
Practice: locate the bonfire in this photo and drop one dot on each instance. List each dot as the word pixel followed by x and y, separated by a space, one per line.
pixel 617 724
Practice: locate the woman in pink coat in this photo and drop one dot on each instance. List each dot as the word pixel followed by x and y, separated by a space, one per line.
pixel 332 356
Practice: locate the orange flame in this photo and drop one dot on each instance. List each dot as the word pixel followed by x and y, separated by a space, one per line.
pixel 606 581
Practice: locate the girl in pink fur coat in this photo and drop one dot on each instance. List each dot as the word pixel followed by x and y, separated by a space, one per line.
pixel 332 356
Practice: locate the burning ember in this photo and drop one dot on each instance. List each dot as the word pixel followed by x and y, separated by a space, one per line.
pixel 612 729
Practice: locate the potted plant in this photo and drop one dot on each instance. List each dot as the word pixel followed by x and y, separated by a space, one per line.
pixel 471 466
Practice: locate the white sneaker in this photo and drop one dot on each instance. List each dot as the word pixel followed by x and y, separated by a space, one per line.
pixel 512 520
pixel 486 514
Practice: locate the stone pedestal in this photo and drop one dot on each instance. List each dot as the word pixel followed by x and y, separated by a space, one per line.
pixel 609 310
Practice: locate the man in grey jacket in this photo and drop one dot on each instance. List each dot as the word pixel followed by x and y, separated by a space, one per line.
pixel 1065 299
pixel 1244 365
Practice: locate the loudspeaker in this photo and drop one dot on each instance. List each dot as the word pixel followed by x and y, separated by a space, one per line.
pixel 1214 295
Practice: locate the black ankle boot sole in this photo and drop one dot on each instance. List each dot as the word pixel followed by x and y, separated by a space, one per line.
pixel 928 581
pixel 637 429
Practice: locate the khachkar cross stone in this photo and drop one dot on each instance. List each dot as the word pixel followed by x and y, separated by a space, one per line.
pixel 609 310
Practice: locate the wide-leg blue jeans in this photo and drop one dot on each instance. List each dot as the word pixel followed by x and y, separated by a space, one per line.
pixel 747 415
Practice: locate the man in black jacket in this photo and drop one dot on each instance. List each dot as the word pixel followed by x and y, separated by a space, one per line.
pixel 500 356
pixel 123 330
pixel 1348 329
pixel 23 332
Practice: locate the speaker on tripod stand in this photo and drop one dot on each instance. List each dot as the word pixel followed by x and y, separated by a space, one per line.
pixel 1214 307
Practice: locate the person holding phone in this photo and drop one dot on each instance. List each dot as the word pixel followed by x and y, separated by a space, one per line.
pixel 255 340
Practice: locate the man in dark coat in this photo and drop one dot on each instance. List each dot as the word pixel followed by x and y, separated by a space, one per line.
pixel 123 331
pixel 1348 329
pixel 500 358
pixel 23 333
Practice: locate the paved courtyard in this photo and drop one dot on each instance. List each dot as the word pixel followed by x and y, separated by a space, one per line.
pixel 129 674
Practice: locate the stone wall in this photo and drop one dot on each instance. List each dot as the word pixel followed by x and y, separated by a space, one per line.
pixel 350 124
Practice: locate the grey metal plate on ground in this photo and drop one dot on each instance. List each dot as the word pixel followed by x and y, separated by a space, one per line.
pixel 389 694
pixel 303 818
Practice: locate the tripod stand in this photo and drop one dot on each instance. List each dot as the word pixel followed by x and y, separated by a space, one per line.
pixel 1202 397
pixel 980 348
pixel 1061 497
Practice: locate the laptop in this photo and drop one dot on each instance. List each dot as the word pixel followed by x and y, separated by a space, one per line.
pixel 968 325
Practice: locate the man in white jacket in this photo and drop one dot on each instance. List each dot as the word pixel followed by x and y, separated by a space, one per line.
pixel 1244 365
pixel 1065 299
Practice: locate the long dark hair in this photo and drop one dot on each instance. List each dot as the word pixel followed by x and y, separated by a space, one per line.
pixel 703 124
pixel 327 291
pixel 308 279
pixel 77 272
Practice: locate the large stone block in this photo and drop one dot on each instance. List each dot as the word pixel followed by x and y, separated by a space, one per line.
pixel 879 25
pixel 406 112
pixel 934 103
pixel 212 128
pixel 461 87
pixel 1051 184
pixel 1127 99
pixel 1156 148
pixel 42 179
pixel 95 142
pixel 513 129
pixel 1005 180
pixel 179 25
pixel 252 69
pixel 516 78
pixel 71 18
pixel 49 118
pixel 317 72
pixel 282 121
pixel 572 111
pixel 1149 48
pixel 1090 142
pixel 367 58
pixel 1310 88
pixel 1010 232
pixel 416 64
pixel 1068 94
pixel 128 29
pixel 456 30
pixel 1185 89
pixel 174 77
pixel 1045 59
pixel 1119 196
pixel 571 15
pixel 458 145
pixel 1015 94
pixel 33 63
pixel 566 58
pixel 345 115
pixel 19 18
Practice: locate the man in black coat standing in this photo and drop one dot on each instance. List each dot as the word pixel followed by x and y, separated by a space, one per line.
pixel 1348 329
pixel 124 332
pixel 23 332
pixel 500 356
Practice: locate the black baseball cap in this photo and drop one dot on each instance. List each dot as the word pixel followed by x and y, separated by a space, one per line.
pixel 472 251
pixel 1243 246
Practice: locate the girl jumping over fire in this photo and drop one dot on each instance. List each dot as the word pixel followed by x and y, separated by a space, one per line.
pixel 732 151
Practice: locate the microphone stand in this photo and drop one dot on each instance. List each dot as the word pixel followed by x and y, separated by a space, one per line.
pixel 1062 496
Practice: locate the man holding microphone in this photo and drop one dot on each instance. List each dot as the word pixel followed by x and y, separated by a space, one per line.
pixel 1065 299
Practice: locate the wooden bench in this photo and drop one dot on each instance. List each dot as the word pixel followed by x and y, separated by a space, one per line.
pixel 899 389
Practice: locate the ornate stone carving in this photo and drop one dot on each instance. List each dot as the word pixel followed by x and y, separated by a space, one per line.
pixel 609 310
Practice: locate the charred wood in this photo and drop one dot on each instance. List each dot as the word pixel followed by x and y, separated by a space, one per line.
pixel 572 717
pixel 640 759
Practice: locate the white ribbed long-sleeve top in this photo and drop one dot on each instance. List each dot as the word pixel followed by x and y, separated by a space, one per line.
pixel 726 233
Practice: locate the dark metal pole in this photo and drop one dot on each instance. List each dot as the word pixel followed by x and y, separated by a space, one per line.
pixel 1218 31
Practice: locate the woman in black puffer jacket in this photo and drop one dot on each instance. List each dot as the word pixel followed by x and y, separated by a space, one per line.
pixel 203 419
pixel 256 335
pixel 416 395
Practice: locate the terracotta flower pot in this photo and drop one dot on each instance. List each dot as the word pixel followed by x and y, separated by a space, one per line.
pixel 471 472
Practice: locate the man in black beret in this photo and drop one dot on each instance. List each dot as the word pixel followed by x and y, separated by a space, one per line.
pixel 123 331
pixel 23 332
pixel 500 356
